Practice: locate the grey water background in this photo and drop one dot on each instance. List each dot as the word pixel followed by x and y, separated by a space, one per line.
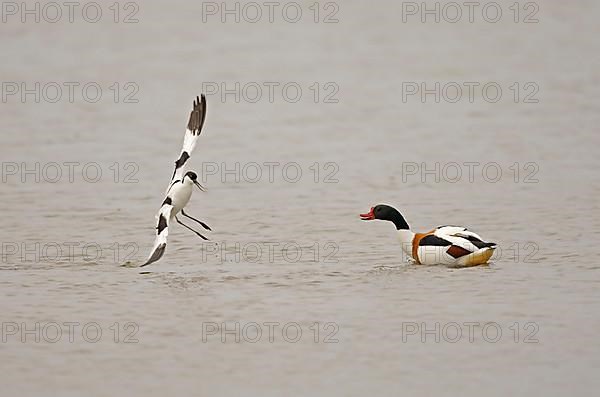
pixel 377 311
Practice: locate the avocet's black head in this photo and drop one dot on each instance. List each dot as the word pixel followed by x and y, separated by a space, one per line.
pixel 386 213
pixel 194 178
pixel 192 175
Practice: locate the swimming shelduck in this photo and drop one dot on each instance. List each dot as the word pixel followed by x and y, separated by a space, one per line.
pixel 445 245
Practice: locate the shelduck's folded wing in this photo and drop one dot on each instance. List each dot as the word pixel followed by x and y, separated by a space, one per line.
pixel 463 241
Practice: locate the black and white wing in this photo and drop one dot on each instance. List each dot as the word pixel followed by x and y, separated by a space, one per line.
pixel 464 241
pixel 194 128
pixel 162 231
pixel 457 231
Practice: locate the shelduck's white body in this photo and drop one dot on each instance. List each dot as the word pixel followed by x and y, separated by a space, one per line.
pixel 462 243
pixel 446 245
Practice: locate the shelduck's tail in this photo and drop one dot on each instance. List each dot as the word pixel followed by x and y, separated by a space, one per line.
pixel 479 257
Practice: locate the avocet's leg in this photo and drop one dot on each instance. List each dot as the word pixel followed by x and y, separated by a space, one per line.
pixel 187 227
pixel 204 225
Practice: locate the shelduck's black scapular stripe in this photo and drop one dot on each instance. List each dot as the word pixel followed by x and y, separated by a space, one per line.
pixel 454 250
pixel 434 240
pixel 477 242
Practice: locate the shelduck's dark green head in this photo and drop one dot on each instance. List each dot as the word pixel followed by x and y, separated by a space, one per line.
pixel 386 213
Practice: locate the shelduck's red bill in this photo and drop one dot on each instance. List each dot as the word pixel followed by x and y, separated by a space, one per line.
pixel 370 216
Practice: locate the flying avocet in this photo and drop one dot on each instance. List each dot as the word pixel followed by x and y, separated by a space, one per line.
pixel 179 191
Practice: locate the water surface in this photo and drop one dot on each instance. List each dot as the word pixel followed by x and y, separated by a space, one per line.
pixel 351 278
